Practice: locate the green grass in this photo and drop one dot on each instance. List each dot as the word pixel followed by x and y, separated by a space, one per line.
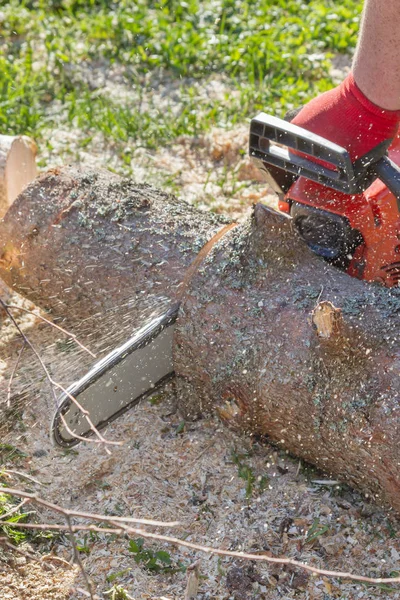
pixel 271 54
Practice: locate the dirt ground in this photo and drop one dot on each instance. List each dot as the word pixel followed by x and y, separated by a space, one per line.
pixel 227 491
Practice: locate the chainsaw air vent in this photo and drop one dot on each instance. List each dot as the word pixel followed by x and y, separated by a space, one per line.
pixel 392 273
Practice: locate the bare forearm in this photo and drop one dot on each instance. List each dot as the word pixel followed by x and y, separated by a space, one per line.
pixel 376 64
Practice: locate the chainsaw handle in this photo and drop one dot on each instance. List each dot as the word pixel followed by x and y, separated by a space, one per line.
pixel 389 173
pixel 297 152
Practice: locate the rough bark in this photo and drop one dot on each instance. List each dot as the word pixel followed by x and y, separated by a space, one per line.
pixel 250 345
pixel 274 339
pixel 81 244
pixel 17 167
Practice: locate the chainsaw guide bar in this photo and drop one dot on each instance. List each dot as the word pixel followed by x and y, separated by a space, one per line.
pixel 118 381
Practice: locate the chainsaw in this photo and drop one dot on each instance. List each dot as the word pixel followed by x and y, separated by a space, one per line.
pixel 353 222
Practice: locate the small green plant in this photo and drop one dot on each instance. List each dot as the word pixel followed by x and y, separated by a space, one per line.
pixel 180 428
pixel 85 544
pixel 117 592
pixel 113 576
pixel 245 472
pixel 154 561
pixel 315 531
pixel 8 504
pixel 9 453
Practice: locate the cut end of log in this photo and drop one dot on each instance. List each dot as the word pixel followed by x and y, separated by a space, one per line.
pixel 17 168
pixel 327 320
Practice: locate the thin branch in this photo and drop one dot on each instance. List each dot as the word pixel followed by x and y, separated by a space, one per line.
pixel 77 558
pixel 53 558
pixel 87 417
pixel 259 557
pixel 13 374
pixel 5 542
pixel 120 529
pixel 80 437
pixel 22 475
pixel 85 515
pixel 32 347
pixel 51 381
pixel 75 528
pixel 67 333
pixel 14 510
pixel 85 593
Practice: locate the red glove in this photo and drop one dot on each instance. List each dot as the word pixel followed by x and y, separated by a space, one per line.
pixel 345 116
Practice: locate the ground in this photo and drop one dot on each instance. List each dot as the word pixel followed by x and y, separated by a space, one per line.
pixel 177 120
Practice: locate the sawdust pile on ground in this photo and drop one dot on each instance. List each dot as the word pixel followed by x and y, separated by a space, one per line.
pixel 228 491
pixel 21 579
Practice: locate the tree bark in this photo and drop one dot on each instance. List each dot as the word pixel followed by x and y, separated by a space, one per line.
pixel 97 250
pixel 271 337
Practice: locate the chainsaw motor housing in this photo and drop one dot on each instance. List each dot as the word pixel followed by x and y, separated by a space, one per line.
pixel 327 234
pixel 353 220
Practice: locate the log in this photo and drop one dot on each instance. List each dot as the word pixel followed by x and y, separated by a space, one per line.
pixel 275 340
pixel 17 167
pixel 80 244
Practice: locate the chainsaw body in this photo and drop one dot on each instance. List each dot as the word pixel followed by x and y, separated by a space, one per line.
pixel 353 221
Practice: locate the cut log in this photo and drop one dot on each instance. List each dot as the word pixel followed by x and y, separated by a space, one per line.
pixel 80 244
pixel 282 344
pixel 17 167
pixel 275 340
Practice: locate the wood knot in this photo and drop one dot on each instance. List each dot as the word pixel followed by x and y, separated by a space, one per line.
pixel 233 406
pixel 327 319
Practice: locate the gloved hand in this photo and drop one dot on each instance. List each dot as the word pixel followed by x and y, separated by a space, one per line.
pixel 345 116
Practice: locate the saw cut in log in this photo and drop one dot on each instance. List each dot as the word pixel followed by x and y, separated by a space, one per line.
pixel 269 336
pixel 17 167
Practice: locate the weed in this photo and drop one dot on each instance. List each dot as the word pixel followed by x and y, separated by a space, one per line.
pixel 180 428
pixel 9 453
pixel 244 472
pixel 85 544
pixel 154 561
pixel 315 531
pixel 7 504
pixel 391 528
pixel 113 576
pixel 117 592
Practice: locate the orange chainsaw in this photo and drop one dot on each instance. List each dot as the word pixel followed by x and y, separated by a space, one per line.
pixel 353 222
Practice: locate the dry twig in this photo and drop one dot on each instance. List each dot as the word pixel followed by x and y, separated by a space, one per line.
pixel 77 558
pixel 29 555
pixel 13 374
pixel 84 515
pixel 120 528
pixel 67 333
pixel 14 510
pixel 55 384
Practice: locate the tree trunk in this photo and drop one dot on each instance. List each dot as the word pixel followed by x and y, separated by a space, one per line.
pixel 97 250
pixel 282 344
pixel 270 336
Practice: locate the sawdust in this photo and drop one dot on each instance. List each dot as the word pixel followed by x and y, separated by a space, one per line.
pixel 228 491
pixel 21 579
